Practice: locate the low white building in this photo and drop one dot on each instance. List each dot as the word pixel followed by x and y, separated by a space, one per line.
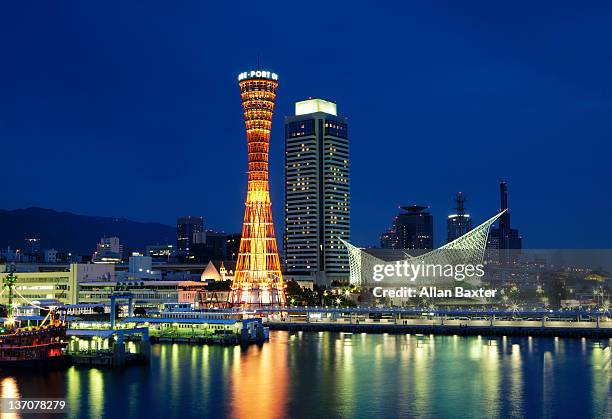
pixel 140 267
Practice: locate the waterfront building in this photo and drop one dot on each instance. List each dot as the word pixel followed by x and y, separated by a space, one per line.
pixel 38 311
pixel 34 283
pixel 469 249
pixel 414 228
pixel 460 222
pixel 148 294
pixel 317 192
pixel 188 231
pixel 182 321
pixel 35 286
pixel 109 250
pixel 258 279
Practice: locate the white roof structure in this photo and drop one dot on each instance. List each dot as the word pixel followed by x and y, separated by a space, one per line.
pixel 467 249
pixel 210 273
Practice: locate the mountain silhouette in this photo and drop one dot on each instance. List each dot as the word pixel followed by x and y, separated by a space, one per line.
pixel 78 234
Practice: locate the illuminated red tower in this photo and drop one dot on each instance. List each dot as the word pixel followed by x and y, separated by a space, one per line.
pixel 258 280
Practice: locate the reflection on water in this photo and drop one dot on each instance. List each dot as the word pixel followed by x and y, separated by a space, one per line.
pixel 343 375
pixel 73 390
pixel 258 382
pixel 9 390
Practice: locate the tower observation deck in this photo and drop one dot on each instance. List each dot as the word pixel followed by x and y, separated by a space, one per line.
pixel 258 280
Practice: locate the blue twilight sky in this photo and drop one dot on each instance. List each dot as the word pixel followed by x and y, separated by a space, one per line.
pixel 132 109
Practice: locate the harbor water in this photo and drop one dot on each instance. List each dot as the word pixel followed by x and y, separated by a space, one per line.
pixel 308 374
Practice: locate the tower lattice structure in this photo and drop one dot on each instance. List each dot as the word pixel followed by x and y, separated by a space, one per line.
pixel 258 280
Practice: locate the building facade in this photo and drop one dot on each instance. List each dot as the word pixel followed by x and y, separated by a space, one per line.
pixel 213 247
pixel 317 192
pixel 34 283
pixel 161 252
pixel 508 241
pixel 109 250
pixel 150 294
pixel 388 239
pixel 188 231
pixel 414 228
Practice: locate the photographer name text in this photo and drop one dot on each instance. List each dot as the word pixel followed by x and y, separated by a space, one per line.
pixel 433 292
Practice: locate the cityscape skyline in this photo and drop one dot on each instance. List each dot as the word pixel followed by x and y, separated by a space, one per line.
pixel 287 210
pixel 520 118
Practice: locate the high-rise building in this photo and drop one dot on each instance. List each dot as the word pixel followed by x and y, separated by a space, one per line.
pixel 414 228
pixel 188 231
pixel 258 279
pixel 209 245
pixel 460 222
pixel 508 240
pixel 317 193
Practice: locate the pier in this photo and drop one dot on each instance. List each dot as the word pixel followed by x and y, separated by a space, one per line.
pixel 197 327
pixel 110 347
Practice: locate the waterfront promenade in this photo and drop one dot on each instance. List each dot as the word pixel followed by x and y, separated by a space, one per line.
pixel 444 322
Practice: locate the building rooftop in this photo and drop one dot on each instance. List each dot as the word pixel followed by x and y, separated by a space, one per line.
pixel 315 105
pixel 142 282
pixel 181 321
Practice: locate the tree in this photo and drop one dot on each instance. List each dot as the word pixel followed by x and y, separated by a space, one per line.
pixel 140 311
pixel 293 288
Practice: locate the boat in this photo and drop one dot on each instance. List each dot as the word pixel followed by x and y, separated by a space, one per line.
pixel 32 346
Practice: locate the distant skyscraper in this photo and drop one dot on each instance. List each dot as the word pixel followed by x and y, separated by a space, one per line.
pixel 503 237
pixel 388 240
pixel 459 223
pixel 188 230
pixel 414 228
pixel 317 192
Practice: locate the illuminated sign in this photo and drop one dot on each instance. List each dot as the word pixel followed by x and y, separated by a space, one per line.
pixel 257 74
